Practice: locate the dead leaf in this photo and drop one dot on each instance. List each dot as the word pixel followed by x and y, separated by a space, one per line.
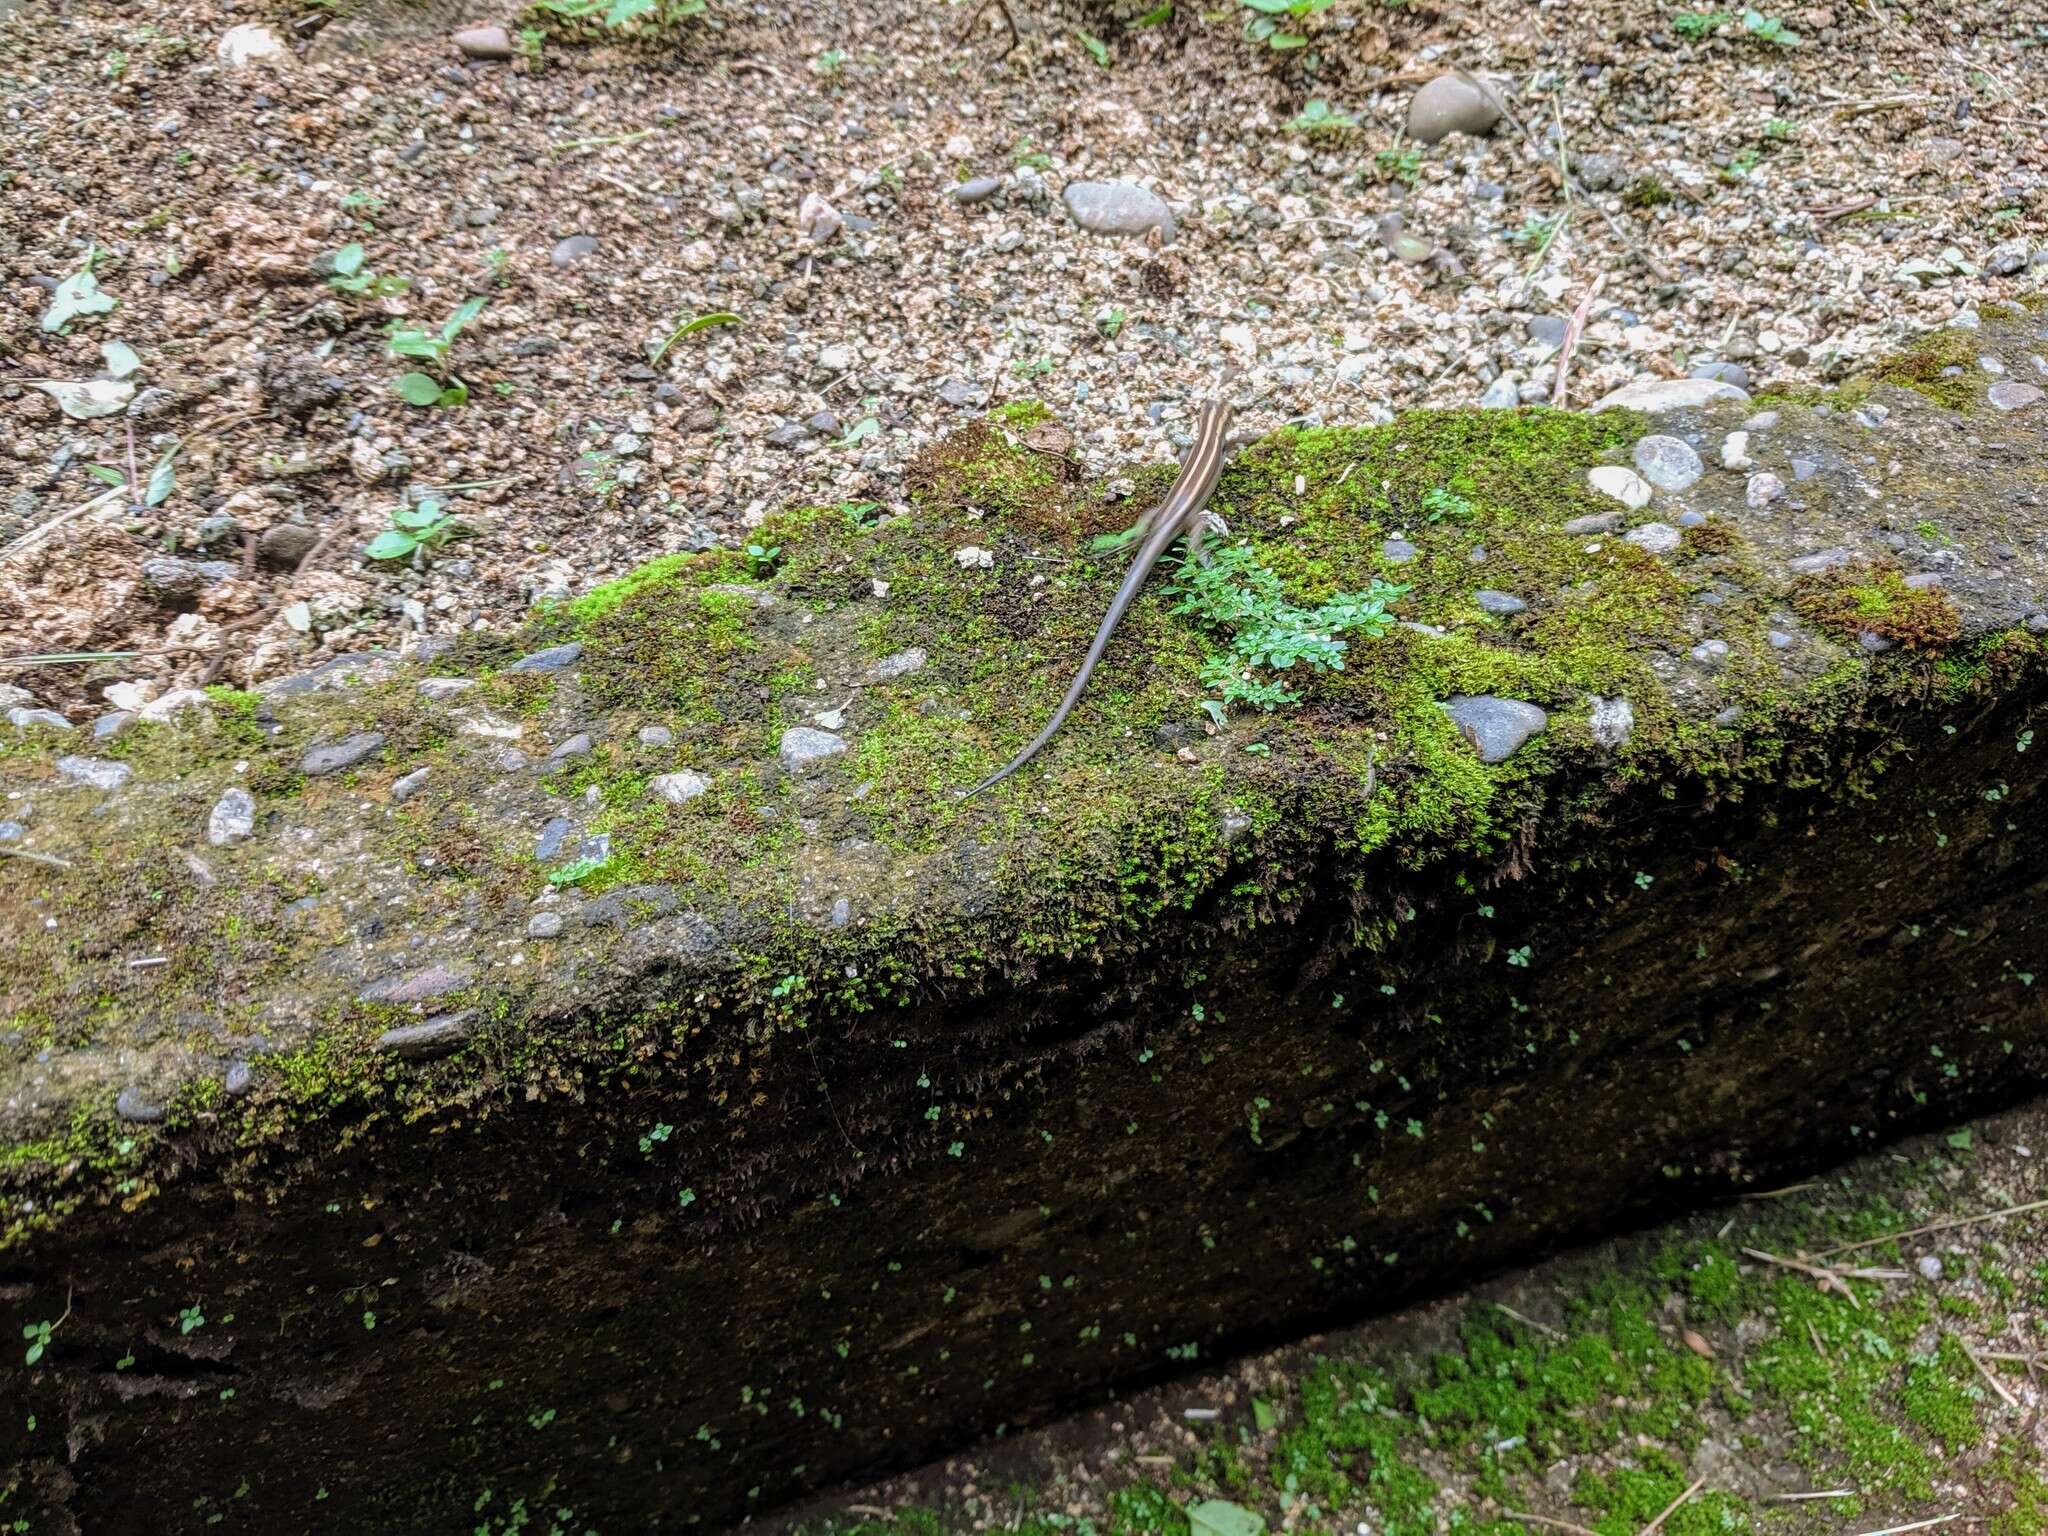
pixel 1696 1344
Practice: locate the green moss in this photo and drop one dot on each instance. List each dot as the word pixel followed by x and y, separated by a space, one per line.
pixel 1941 1395
pixel 1925 366
pixel 1873 598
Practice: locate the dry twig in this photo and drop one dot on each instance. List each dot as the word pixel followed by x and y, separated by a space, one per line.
pixel 1949 1224
pixel 1672 1508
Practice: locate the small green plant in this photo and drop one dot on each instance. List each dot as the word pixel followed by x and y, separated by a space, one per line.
pixel 1269 634
pixel 1032 368
pixel 1269 20
pixel 1741 164
pixel 622 15
pixel 1402 165
pixel 78 295
pixel 1098 50
pixel 1316 117
pixel 38 1334
pixel 1109 322
pixel 1694 25
pixel 830 62
pixel 116 64
pixel 1024 156
pixel 529 43
pixel 761 559
pixel 349 275
pixel 1438 504
pixel 575 871
pixel 191 1318
pixel 1155 16
pixel 409 341
pixel 425 525
pixel 1768 29
pixel 1778 128
pixel 1645 192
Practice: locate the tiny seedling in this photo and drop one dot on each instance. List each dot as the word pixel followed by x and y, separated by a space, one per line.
pixel 1439 504
pixel 1268 23
pixel 1024 156
pixel 1155 16
pixel 425 525
pixel 860 431
pixel 349 275
pixel 575 871
pixel 762 557
pixel 424 389
pixel 1695 25
pixel 622 15
pixel 1768 29
pixel 830 62
pixel 1316 117
pixel 1098 50
pixel 1402 165
pixel 1109 322
pixel 78 295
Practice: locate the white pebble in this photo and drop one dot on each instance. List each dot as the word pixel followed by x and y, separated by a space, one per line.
pixel 1624 485
pixel 1735 451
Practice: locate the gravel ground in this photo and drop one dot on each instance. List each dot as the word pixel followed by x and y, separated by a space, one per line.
pixel 1734 203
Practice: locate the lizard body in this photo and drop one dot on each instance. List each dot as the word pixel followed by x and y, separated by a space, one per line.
pixel 1179 514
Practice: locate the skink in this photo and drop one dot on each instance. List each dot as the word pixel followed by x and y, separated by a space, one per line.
pixel 1179 514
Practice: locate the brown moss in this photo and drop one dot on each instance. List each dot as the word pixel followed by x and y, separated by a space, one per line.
pixel 1873 598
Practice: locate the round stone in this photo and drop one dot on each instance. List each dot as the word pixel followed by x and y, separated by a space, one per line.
pixel 1117 208
pixel 1655 538
pixel 1668 463
pixel 1451 104
pixel 1397 551
pixel 2012 395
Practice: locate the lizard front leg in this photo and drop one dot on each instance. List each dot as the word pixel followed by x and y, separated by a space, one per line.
pixel 1202 523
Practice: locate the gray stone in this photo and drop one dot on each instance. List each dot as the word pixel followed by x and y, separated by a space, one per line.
pixel 233 818
pixel 491 43
pixel 1725 373
pixel 22 719
pixel 239 1078
pixel 1613 721
pixel 10 696
pixel 1691 519
pixel 411 784
pixel 338 672
pixel 1873 415
pixel 2012 395
pixel 979 190
pixel 555 833
pixel 1548 330
pixel 112 724
pixel 1653 395
pixel 421 986
pixel 791 434
pixel 1820 561
pixel 824 424
pixel 626 905
pixel 1451 104
pixel 1397 551
pixel 805 747
pixel 1495 727
pixel 1929 1266
pixel 1502 603
pixel 94 772
pixel 420 1042
pixel 678 788
pixel 1804 469
pixel 134 1104
pixel 1117 208
pixel 962 394
pixel 1623 484
pixel 576 746
pixel 439 688
pixel 335 756
pixel 1763 489
pixel 1668 463
pixel 555 658
pixel 1921 581
pixel 1780 641
pixel 1710 653
pixel 170 579
pixel 1656 538
pixel 656 736
pixel 1601 173
pixel 901 664
pixel 1594 522
pixel 1501 395
pixel 544 925
pixel 572 250
pixel 2006 259
pixel 1727 717
pixel 12 831
pixel 1874 643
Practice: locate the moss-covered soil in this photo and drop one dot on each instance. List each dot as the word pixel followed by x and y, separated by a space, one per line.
pixel 1597 1389
pixel 810 1095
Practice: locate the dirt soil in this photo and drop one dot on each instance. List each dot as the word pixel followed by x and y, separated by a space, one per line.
pixel 1776 205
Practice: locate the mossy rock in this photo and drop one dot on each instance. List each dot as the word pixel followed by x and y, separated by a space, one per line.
pixel 584 1094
